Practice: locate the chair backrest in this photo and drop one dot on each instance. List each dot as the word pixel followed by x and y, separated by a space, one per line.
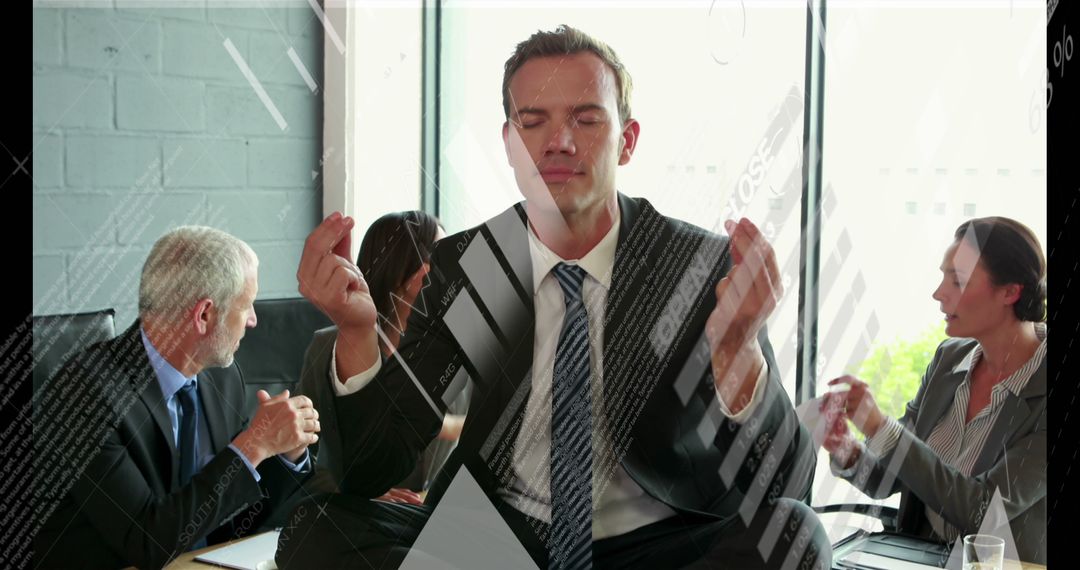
pixel 271 355
pixel 58 337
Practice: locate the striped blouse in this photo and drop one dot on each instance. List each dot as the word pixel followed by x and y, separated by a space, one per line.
pixel 958 443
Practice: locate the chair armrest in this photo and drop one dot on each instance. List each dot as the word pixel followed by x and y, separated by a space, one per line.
pixel 887 515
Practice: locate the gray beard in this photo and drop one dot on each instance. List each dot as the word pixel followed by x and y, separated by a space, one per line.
pixel 219 353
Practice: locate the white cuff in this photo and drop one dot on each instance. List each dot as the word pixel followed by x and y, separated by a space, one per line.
pixel 354 384
pixel 886 437
pixel 839 471
pixel 744 413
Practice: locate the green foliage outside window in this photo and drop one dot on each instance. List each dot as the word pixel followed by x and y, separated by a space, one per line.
pixel 893 371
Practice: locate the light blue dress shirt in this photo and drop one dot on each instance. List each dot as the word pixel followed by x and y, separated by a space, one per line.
pixel 171 381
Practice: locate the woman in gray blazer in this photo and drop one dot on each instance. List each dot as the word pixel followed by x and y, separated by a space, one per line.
pixel 978 422
pixel 394 260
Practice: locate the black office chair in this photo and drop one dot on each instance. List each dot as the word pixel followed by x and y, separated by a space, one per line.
pixel 271 355
pixel 887 515
pixel 58 337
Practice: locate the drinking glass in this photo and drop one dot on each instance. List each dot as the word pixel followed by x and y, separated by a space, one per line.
pixel 983 552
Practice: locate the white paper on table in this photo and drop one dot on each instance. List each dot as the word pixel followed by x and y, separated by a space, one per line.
pixel 254 553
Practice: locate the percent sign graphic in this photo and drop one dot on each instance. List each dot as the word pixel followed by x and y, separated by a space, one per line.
pixel 1063 51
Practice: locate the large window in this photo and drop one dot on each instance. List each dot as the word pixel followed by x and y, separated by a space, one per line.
pixel 373 108
pixel 717 90
pixel 386 95
pixel 933 114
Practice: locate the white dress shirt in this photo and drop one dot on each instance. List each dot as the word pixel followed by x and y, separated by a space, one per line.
pixel 620 505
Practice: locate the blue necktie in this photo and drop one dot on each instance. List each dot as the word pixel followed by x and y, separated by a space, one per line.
pixel 189 421
pixel 570 543
pixel 189 434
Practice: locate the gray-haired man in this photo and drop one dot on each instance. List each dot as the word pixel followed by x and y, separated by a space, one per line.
pixel 147 449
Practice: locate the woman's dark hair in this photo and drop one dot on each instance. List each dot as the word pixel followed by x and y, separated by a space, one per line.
pixel 1011 253
pixel 394 248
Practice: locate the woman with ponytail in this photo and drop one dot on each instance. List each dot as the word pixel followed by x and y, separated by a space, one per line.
pixel 978 422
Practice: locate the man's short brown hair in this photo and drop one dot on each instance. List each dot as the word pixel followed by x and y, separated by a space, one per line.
pixel 566 40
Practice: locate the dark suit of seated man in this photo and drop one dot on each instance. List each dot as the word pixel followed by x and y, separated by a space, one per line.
pixel 627 410
pixel 143 449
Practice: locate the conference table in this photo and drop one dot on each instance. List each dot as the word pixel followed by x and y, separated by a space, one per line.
pixel 839 531
pixel 187 561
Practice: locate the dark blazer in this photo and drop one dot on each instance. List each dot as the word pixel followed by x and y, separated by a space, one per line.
pixel 327 454
pixel 1013 460
pixel 660 402
pixel 105 427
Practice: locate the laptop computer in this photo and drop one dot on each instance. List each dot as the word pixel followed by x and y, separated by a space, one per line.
pixel 889 551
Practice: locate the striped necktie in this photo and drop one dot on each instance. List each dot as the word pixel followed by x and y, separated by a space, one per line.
pixel 570 543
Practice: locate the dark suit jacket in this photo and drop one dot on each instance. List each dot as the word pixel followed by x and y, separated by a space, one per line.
pixel 1013 460
pixel 329 463
pixel 104 422
pixel 660 402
